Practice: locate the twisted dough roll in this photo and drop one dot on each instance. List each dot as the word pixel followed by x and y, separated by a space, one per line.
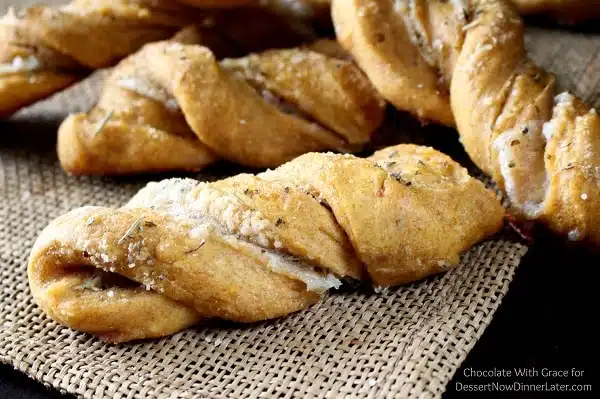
pixel 45 49
pixel 252 248
pixel 174 107
pixel 543 151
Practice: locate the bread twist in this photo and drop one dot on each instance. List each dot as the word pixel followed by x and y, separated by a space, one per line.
pixel 175 107
pixel 251 248
pixel 464 62
pixel 44 49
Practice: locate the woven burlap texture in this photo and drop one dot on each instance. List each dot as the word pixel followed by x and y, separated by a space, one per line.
pixel 406 342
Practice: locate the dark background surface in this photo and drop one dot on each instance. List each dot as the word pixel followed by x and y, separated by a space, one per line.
pixel 547 320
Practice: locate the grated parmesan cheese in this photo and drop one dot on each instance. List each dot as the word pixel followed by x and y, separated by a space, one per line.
pixel 147 89
pixel 20 64
pixel 210 211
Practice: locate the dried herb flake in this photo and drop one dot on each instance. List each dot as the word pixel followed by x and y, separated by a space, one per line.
pixel 149 223
pixel 197 248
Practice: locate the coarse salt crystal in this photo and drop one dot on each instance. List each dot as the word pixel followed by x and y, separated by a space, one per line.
pixel 20 64
pixel 574 235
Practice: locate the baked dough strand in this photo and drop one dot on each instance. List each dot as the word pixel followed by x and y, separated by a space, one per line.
pixel 430 57
pixel 175 106
pixel 45 49
pixel 257 247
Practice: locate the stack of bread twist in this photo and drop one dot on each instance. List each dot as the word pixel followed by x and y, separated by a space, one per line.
pixel 253 82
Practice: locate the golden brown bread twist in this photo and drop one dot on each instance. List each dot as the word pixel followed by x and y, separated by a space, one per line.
pixel 175 107
pixel 468 57
pixel 44 49
pixel 251 248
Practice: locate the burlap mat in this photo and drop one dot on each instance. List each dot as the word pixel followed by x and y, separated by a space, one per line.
pixel 406 342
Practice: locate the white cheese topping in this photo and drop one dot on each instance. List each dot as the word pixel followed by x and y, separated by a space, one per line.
pixel 211 211
pixel 20 64
pixel 147 89
pixel 291 267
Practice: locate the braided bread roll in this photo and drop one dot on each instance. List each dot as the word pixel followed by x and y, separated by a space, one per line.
pixel 465 63
pixel 252 248
pixel 175 107
pixel 45 49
